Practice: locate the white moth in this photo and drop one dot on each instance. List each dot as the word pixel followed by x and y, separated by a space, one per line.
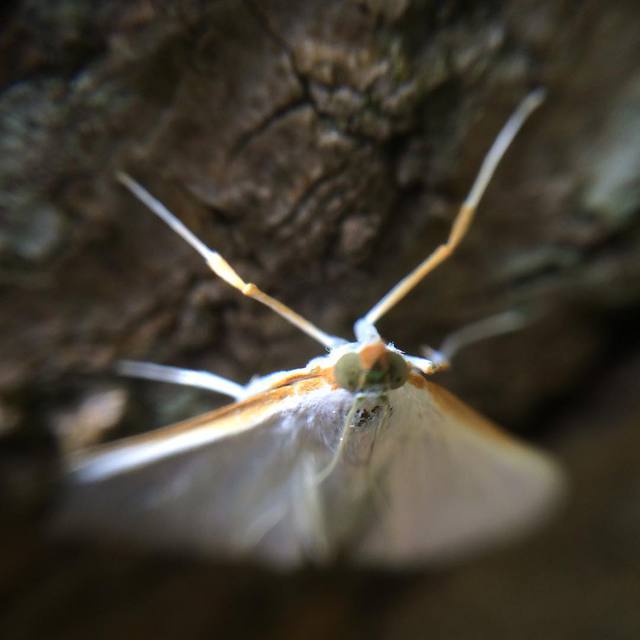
pixel 357 454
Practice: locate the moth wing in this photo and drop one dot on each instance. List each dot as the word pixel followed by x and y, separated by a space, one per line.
pixel 223 484
pixel 455 485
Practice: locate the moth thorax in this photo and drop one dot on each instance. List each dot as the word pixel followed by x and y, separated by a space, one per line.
pixel 373 368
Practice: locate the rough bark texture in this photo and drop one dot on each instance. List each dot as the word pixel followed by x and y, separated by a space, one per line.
pixel 323 147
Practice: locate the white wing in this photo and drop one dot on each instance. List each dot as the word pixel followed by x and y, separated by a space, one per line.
pixel 419 478
pixel 239 480
pixel 455 483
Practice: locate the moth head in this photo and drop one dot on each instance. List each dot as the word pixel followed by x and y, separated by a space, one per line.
pixel 373 368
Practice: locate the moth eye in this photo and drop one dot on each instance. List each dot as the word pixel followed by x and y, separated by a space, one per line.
pixel 398 371
pixel 348 371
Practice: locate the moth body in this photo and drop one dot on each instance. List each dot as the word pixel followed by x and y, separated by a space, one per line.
pixel 385 475
pixel 358 454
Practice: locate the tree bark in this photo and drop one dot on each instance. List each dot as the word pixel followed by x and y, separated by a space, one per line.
pixel 323 147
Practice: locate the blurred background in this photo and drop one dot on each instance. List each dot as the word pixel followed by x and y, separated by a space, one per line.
pixel 324 147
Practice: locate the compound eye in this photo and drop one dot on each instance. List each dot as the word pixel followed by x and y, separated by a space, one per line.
pixel 348 372
pixel 398 371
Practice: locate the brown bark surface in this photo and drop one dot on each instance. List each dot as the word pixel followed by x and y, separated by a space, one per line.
pixel 323 147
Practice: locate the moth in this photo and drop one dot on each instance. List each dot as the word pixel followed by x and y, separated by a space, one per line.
pixel 357 455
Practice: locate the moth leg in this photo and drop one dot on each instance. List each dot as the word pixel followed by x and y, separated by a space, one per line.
pixel 310 514
pixel 381 422
pixel 495 325
pixel 222 268
pixel 365 326
pixel 177 375
pixel 439 359
pixel 344 435
pixel 433 361
pixel 378 496
pixel 261 526
pixel 305 506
